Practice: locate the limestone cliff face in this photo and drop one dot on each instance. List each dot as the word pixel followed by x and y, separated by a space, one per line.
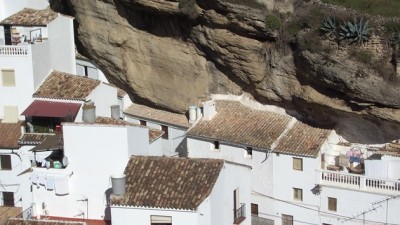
pixel 173 54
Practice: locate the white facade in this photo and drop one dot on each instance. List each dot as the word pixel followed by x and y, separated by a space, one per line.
pixel 94 152
pixel 104 96
pixel 171 146
pixel 31 63
pixel 88 69
pixel 216 209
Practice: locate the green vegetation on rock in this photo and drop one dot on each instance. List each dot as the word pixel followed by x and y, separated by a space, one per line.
pixel 387 8
pixel 272 22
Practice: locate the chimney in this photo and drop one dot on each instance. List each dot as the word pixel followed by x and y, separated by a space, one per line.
pixel 192 114
pixel 89 113
pixel 209 110
pixel 115 112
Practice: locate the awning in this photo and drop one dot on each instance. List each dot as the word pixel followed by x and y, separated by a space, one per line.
pixel 52 109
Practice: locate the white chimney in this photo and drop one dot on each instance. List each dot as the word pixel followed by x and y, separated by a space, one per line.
pixel 89 113
pixel 209 110
pixel 115 112
pixel 192 114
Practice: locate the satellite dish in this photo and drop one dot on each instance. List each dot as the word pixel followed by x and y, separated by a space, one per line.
pixel 65 161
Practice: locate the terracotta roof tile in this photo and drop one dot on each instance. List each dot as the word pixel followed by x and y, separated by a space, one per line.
pixel 303 140
pixel 31 17
pixel 8 212
pixel 59 85
pixel 153 133
pixel 10 134
pixel 238 124
pixel 168 182
pixel 32 138
pixel 162 116
pixel 390 149
pixel 17 221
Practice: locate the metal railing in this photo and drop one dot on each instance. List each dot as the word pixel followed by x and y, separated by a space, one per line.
pixel 240 214
pixel 359 182
pixel 10 50
pixel 26 214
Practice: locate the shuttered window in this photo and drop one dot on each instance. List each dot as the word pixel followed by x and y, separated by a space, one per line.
pixel 10 114
pixel 8 77
pixel 161 220
pixel 254 209
pixel 287 219
pixel 298 194
pixel 5 162
pixel 165 129
pixel 298 164
pixel 8 199
pixel 332 204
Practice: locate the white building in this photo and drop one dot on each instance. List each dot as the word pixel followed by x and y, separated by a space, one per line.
pixel 30 45
pixel 81 187
pixel 178 191
pixel 61 96
pixel 290 183
pixel 85 67
pixel 174 126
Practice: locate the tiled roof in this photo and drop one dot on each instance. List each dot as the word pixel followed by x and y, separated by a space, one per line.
pixel 303 140
pixel 8 212
pixel 31 17
pixel 168 182
pixel 161 116
pixel 52 142
pixel 32 138
pixel 390 149
pixel 153 133
pixel 9 134
pixel 238 124
pixel 59 85
pixel 15 221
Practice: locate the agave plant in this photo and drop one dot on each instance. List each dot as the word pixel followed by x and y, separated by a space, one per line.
pixel 355 32
pixel 329 27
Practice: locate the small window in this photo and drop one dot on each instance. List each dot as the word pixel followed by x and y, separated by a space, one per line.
pixel 298 194
pixel 298 164
pixel 8 199
pixel 165 129
pixel 248 152
pixel 254 209
pixel 143 123
pixel 8 77
pixel 287 219
pixel 216 145
pixel 332 204
pixel 5 162
pixel 161 220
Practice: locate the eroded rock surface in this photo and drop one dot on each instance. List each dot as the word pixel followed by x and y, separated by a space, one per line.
pixel 173 54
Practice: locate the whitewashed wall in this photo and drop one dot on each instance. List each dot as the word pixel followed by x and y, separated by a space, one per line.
pixel 61 39
pixel 138 140
pixel 155 148
pixel 141 216
pixel 41 63
pixel 20 94
pixel 104 96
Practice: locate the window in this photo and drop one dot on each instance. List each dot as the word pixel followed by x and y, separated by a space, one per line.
pixel 161 220
pixel 254 209
pixel 287 219
pixel 298 194
pixel 298 164
pixel 8 77
pixel 165 129
pixel 8 199
pixel 248 152
pixel 10 114
pixel 216 145
pixel 142 122
pixel 5 162
pixel 332 204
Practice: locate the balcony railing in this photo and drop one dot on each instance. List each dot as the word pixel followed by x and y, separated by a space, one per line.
pixel 11 50
pixel 26 214
pixel 359 182
pixel 240 214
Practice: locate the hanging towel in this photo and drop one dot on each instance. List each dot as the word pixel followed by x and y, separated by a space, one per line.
pixel 49 183
pixel 34 178
pixel 42 179
pixel 61 185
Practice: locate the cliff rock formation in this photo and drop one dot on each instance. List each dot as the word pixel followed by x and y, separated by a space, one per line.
pixel 173 54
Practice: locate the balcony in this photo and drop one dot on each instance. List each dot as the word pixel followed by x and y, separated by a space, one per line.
pixel 240 214
pixel 358 182
pixel 10 50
